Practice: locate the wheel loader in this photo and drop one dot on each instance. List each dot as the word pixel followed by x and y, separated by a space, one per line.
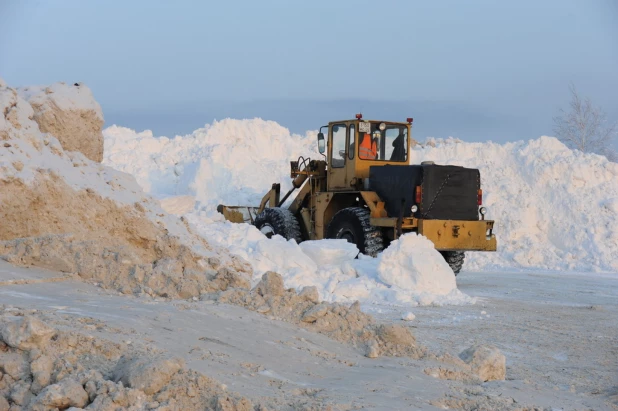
pixel 365 191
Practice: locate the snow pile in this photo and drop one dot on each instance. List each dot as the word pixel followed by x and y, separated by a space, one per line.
pixel 227 162
pixel 412 263
pixel 76 97
pixel 178 205
pixel 329 252
pixel 63 211
pixel 555 208
pixel 71 114
pixel 410 272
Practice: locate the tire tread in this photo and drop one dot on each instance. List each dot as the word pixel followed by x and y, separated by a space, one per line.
pixel 283 222
pixel 372 236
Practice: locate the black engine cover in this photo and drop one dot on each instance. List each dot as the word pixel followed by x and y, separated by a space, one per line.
pixel 448 192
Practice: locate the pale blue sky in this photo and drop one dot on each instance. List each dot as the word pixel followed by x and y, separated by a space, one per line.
pixel 473 69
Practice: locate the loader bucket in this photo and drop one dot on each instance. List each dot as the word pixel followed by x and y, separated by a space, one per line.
pixel 238 214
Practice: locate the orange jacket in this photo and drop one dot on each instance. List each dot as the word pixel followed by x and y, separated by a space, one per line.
pixel 368 149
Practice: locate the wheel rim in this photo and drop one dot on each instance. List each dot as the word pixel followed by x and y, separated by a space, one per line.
pixel 267 230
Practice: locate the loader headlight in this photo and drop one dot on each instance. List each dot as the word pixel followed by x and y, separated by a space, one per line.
pixel 483 210
pixel 382 126
pixel 414 208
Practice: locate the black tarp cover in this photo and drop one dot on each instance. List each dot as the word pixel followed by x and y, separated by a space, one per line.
pixel 448 192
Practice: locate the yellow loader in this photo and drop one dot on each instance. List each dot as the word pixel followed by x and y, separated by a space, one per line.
pixel 366 192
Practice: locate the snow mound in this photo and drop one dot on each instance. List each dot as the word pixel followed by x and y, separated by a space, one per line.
pixel 554 208
pixel 63 211
pixel 331 267
pixel 71 114
pixel 65 97
pixel 329 252
pixel 178 205
pixel 227 162
pixel 411 262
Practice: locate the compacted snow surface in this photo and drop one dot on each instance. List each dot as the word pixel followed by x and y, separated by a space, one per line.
pixel 554 208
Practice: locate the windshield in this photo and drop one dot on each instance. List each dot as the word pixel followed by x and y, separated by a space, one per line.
pixel 390 144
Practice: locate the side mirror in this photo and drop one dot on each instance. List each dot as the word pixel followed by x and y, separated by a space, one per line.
pixel 321 143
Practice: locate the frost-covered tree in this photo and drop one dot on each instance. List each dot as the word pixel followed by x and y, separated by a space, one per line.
pixel 584 127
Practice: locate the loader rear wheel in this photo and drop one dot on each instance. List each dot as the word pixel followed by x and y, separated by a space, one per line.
pixel 455 260
pixel 280 221
pixel 352 224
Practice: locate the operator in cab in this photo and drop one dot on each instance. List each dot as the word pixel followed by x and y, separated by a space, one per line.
pixel 368 149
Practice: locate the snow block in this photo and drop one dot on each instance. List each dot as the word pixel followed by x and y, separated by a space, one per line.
pixel 486 361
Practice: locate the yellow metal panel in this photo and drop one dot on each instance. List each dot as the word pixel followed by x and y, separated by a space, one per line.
pixel 321 203
pixel 459 235
pixel 375 204
pixel 407 223
pixel 339 178
pixel 237 214
pixel 300 197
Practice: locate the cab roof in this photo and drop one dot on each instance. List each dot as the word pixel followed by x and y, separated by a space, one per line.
pixel 403 123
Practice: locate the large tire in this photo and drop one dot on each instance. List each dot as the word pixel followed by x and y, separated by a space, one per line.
pixel 352 224
pixel 455 260
pixel 280 221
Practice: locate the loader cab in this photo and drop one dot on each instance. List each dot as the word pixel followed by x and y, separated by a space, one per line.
pixel 352 146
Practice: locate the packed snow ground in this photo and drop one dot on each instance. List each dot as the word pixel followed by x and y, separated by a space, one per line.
pixel 559 348
pixel 555 208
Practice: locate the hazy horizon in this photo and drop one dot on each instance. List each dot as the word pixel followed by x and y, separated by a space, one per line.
pixel 431 119
pixel 480 70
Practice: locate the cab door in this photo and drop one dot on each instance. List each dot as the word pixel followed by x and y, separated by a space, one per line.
pixel 338 154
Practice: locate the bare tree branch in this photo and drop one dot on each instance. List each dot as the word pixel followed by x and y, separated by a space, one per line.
pixel 584 127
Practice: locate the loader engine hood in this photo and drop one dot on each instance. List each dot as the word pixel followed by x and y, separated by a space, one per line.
pixel 447 192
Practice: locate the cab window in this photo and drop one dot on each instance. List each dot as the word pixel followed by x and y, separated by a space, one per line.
pixel 395 144
pixel 351 142
pixel 389 144
pixel 338 149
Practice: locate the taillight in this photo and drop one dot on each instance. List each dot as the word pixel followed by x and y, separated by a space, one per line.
pixel 480 197
pixel 419 194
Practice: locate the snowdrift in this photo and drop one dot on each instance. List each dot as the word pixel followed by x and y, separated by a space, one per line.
pixel 555 208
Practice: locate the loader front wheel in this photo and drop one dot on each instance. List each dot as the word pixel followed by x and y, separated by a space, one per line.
pixel 455 260
pixel 279 221
pixel 352 224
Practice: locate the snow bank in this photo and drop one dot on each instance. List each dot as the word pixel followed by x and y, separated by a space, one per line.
pixel 411 272
pixel 228 162
pixel 65 97
pixel 178 205
pixel 554 208
pixel 71 114
pixel 29 156
pixel 64 211
pixel 412 263
pixel 329 252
